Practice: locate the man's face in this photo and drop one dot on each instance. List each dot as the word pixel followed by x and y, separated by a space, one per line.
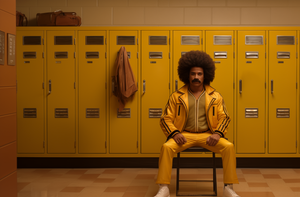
pixel 196 76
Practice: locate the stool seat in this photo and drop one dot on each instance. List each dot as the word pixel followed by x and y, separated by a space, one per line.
pixel 196 149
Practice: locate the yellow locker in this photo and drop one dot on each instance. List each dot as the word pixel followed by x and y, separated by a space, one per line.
pixel 282 92
pixel 30 92
pixel 61 91
pixel 184 41
pixel 92 91
pixel 123 131
pixel 155 82
pixel 219 45
pixel 251 95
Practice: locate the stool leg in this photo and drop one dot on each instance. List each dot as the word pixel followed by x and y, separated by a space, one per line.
pixel 214 174
pixel 177 175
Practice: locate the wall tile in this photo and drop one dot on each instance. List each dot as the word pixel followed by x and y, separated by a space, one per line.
pixel 111 3
pixel 27 3
pixel 128 15
pixel 8 6
pixel 78 10
pixel 285 16
pixel 8 185
pixel 241 3
pixel 8 132
pixel 255 16
pixel 8 75
pixel 45 3
pixel 8 155
pixel 272 3
pixel 293 3
pixel 96 16
pixel 164 3
pixel 83 3
pixel 141 3
pixel 183 3
pixel 8 102
pixel 164 16
pixel 226 16
pixel 32 14
pixel 8 24
pixel 213 3
pixel 197 16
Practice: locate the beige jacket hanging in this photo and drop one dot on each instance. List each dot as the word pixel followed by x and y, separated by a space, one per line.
pixel 125 86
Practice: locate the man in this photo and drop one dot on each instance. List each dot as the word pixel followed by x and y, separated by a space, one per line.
pixel 195 115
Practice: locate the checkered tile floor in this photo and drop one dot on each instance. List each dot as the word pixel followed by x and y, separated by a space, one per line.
pixel 140 182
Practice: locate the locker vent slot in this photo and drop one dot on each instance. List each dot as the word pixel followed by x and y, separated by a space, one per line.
pixel 155 55
pixel 63 40
pixel 59 55
pixel 190 40
pixel 90 55
pixel 155 112
pixel 125 40
pixel 251 113
pixel 283 55
pixel 29 113
pixel 92 112
pixel 182 53
pixel 126 113
pixel 220 55
pixel 61 113
pixel 283 112
pixel 32 40
pixel 222 40
pixel 29 55
pixel 94 40
pixel 251 55
pixel 254 40
pixel 158 40
pixel 285 40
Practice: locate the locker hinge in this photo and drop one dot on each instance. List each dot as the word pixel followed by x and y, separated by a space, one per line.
pixel 105 55
pixel 74 85
pixel 169 41
pixel 43 85
pixel 74 54
pixel 233 85
pixel 105 41
pixel 169 55
pixel 105 85
pixel 296 55
pixel 201 41
pixel 137 55
pixel 233 54
pixel 265 85
pixel 137 144
pixel 43 144
pixel 105 145
pixel 169 85
pixel 137 41
pixel 43 55
pixel 297 40
pixel 265 55
pixel 296 85
pixel 74 41
pixel 43 41
pixel 75 144
pixel 234 41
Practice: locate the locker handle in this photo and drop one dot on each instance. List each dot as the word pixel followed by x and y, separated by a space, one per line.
pixel 240 87
pixel 144 86
pixel 176 85
pixel 50 87
pixel 271 86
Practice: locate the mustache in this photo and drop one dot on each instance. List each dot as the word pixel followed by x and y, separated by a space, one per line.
pixel 196 80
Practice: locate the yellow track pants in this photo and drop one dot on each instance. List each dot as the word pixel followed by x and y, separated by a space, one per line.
pixel 170 148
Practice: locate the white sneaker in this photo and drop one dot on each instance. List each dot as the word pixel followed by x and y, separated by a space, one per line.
pixel 228 191
pixel 163 191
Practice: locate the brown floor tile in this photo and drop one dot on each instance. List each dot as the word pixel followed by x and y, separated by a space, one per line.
pixel 137 189
pixel 72 189
pixel 76 172
pixel 145 176
pixel 89 176
pixel 103 180
pixel 258 185
pixel 250 171
pixel 271 176
pixel 295 189
pixel 242 180
pixel 245 194
pixel 134 194
pixel 21 185
pixel 262 194
pixel 41 171
pixel 291 180
pixel 112 171
pixel 116 189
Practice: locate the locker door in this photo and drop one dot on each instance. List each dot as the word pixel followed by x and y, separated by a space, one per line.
pixel 61 91
pixel 156 87
pixel 251 95
pixel 123 125
pixel 282 92
pixel 92 91
pixel 184 41
pixel 219 45
pixel 30 94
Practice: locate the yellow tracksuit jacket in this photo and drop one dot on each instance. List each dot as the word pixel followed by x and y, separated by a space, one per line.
pixel 174 117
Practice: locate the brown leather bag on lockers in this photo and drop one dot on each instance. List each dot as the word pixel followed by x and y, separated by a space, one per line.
pixel 20 19
pixel 64 19
pixel 49 18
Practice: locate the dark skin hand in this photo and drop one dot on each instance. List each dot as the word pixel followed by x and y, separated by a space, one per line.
pixel 211 140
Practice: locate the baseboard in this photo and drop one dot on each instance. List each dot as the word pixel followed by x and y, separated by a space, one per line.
pixel 46 162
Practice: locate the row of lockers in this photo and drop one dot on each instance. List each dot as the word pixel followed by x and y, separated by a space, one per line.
pixel 66 106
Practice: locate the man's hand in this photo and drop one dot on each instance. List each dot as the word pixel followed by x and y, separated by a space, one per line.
pixel 179 139
pixel 213 139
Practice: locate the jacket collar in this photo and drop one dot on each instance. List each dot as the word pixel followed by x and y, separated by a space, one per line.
pixel 184 90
